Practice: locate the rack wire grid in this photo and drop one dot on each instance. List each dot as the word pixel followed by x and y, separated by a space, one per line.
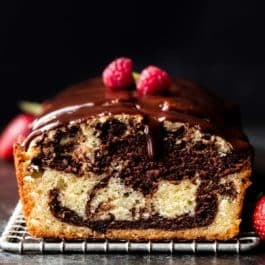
pixel 16 239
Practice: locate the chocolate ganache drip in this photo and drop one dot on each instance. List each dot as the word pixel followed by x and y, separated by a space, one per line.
pixel 183 102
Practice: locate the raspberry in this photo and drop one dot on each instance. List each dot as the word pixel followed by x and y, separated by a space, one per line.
pixel 152 80
pixel 259 218
pixel 118 74
pixel 19 126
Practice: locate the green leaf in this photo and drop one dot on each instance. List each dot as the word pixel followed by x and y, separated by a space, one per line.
pixel 136 76
pixel 34 108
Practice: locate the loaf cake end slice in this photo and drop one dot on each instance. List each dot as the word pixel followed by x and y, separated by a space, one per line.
pixel 100 164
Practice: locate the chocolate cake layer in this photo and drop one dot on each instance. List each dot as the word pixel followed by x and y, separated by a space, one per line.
pixel 173 162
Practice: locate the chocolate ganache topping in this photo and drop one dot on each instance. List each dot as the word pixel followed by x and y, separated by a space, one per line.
pixel 184 101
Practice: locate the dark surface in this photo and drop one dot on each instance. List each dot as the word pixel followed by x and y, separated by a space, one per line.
pixel 8 199
pixel 47 46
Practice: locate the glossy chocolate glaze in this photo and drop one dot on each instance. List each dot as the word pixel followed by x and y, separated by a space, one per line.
pixel 184 102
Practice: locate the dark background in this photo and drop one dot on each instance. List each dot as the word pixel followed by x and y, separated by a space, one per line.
pixel 45 46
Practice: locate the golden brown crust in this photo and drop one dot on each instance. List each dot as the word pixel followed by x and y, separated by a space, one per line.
pixel 70 231
pixel 20 159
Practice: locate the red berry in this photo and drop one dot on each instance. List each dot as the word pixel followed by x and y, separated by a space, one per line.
pixel 152 80
pixel 259 218
pixel 118 74
pixel 19 126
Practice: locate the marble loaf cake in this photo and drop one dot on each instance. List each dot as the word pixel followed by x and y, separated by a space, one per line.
pixel 103 163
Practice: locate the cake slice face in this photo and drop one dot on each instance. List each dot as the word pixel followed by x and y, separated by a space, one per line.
pixel 99 164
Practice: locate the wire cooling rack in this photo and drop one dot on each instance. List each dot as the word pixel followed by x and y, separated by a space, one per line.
pixel 16 239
